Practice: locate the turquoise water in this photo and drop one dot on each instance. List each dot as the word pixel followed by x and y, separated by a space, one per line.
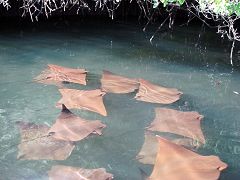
pixel 199 68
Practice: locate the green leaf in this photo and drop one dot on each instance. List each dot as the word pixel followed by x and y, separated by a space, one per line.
pixel 165 2
pixel 181 2
pixel 155 3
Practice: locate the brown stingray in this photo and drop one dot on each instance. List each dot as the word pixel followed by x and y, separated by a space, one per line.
pixel 148 152
pixel 37 144
pixel 186 124
pixel 174 162
pixel 60 172
pixel 70 127
pixel 55 74
pixel 152 93
pixel 118 84
pixel 91 100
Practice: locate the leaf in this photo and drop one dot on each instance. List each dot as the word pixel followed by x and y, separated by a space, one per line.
pixel 155 3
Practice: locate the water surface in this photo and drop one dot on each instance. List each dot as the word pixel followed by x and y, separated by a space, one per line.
pixel 198 67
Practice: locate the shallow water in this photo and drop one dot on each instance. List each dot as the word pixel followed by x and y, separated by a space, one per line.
pixel 199 68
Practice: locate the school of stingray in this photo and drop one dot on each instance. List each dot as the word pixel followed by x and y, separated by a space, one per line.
pixel 172 158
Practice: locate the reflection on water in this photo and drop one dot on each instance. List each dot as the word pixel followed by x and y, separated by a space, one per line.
pixel 199 71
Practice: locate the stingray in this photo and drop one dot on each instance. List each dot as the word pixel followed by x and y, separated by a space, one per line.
pixel 113 83
pixel 55 74
pixel 60 172
pixel 37 144
pixel 148 152
pixel 152 93
pixel 91 100
pixel 186 124
pixel 175 162
pixel 70 127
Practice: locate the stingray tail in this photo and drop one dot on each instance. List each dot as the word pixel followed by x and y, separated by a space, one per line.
pixel 144 175
pixel 65 109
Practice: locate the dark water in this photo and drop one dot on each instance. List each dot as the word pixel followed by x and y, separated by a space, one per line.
pixel 198 67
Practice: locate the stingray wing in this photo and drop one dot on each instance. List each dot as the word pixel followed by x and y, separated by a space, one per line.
pixel 176 162
pixel 152 93
pixel 55 74
pixel 37 144
pixel 186 124
pixel 148 152
pixel 91 100
pixel 60 172
pixel 70 127
pixel 113 83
